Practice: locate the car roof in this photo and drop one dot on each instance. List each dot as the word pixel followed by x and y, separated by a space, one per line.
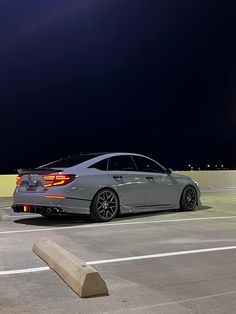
pixel 103 156
pixel 95 157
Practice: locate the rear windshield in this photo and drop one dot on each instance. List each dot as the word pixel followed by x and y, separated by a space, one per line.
pixel 69 161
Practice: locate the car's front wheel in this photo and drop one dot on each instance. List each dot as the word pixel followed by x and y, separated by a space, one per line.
pixel 105 205
pixel 188 199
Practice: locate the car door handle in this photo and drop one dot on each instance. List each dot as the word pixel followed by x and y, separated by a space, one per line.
pixel 149 178
pixel 117 177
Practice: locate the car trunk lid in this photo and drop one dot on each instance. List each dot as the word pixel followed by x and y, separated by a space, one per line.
pixel 32 180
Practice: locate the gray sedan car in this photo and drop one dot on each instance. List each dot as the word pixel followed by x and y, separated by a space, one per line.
pixel 103 185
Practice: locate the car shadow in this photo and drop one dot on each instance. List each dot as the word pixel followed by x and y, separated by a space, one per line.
pixel 59 221
pixel 204 207
pixel 72 220
pixel 157 213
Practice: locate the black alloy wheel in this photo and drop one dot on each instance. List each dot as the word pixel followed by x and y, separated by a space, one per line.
pixel 189 198
pixel 105 205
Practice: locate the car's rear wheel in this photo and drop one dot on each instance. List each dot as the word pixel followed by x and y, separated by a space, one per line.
pixel 105 205
pixel 188 199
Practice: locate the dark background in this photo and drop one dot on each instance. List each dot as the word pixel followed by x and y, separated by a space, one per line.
pixel 153 77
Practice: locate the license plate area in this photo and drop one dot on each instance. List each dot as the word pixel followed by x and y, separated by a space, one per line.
pixel 32 186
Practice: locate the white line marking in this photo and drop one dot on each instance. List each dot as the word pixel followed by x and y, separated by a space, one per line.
pixel 135 309
pixel 199 298
pixel 134 258
pixel 18 216
pixel 25 215
pixel 23 271
pixel 102 225
pixel 125 259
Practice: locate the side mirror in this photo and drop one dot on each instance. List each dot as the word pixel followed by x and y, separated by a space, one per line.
pixel 169 170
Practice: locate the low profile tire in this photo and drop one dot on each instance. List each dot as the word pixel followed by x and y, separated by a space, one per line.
pixel 188 199
pixel 104 206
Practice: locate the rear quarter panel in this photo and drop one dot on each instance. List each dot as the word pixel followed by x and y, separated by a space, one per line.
pixel 87 184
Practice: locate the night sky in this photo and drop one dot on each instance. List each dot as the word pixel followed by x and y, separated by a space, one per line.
pixel 154 77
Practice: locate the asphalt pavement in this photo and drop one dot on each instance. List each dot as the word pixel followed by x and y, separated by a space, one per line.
pixel 162 262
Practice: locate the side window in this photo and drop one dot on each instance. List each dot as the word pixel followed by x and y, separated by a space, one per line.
pixel 147 165
pixel 123 163
pixel 100 165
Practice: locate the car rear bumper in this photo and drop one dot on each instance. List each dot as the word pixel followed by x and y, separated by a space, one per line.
pixel 38 202
pixel 37 209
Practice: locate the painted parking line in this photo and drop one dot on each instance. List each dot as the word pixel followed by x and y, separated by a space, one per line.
pixel 23 271
pixel 19 216
pixel 104 225
pixel 153 306
pixel 25 216
pixel 126 259
pixel 142 257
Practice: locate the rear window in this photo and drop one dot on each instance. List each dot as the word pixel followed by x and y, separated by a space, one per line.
pixel 101 165
pixel 69 161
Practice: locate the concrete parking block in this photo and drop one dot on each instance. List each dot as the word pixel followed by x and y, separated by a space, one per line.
pixel 82 278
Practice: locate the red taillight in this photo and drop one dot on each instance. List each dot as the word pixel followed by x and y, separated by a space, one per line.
pixel 58 179
pixel 18 178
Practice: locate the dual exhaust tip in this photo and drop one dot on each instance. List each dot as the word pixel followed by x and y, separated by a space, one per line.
pixel 52 211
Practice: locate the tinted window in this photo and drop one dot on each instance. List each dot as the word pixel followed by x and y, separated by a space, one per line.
pixel 101 165
pixel 123 163
pixel 146 165
pixel 70 161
